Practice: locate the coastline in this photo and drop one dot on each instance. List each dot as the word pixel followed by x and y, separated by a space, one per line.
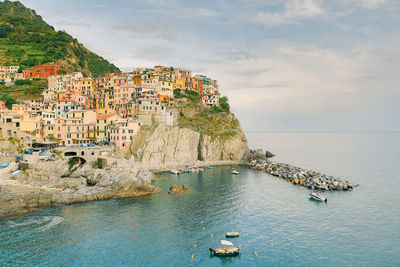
pixel 21 195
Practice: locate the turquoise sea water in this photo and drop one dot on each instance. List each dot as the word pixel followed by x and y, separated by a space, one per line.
pixel 359 228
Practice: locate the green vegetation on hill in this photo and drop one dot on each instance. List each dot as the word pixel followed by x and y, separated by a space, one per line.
pixel 26 40
pixel 22 90
pixel 215 122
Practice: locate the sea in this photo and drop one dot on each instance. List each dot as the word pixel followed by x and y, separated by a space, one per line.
pixel 279 225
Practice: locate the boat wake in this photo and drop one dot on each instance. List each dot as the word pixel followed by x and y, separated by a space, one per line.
pixel 45 223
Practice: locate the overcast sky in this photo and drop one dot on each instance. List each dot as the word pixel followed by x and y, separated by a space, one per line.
pixel 294 65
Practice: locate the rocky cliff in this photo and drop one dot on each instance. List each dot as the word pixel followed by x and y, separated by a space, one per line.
pixel 170 146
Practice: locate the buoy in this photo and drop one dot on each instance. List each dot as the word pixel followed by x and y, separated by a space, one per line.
pixel 194 245
pixel 192 256
pixel 274 230
pixel 11 201
pixel 204 228
pixel 255 253
pixel 212 235
pixel 136 225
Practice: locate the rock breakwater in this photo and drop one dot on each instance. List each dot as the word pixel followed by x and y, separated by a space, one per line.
pixel 298 176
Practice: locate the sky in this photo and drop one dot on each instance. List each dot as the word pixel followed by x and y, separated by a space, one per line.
pixel 293 65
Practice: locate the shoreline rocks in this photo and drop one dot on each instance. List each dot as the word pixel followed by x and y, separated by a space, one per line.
pixel 45 183
pixel 298 176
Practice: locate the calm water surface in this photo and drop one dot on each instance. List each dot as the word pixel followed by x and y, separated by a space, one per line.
pixel 275 218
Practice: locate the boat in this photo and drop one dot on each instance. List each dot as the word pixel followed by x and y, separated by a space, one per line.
pixel 210 167
pixel 227 251
pixel 232 234
pixel 16 173
pixel 234 171
pixel 5 165
pixel 318 196
pixel 175 172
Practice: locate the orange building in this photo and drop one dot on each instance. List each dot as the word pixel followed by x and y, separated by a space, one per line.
pixel 43 70
pixel 137 79
pixel 2 105
pixel 193 84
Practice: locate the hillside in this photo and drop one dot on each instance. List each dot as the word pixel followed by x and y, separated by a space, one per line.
pixel 26 40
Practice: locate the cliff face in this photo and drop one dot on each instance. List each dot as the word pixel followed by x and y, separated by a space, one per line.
pixel 169 146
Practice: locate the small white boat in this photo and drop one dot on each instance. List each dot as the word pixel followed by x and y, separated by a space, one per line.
pixel 234 171
pixel 232 234
pixel 175 172
pixel 15 173
pixel 318 196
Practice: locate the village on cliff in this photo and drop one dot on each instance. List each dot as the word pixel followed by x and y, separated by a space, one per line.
pixel 78 110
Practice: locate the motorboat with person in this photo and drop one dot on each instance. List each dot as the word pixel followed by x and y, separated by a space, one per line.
pixel 318 197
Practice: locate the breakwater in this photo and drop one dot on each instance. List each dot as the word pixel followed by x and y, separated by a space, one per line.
pixel 298 176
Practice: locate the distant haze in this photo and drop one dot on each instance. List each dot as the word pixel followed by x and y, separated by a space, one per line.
pixel 295 65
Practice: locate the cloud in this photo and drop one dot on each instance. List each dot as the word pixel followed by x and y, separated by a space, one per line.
pixel 307 87
pixel 371 3
pixel 294 10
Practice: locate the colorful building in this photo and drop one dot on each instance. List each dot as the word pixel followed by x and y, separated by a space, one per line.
pixel 122 132
pixel 43 70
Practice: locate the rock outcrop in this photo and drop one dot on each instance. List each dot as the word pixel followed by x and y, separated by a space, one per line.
pixel 45 183
pixel 176 189
pixel 169 146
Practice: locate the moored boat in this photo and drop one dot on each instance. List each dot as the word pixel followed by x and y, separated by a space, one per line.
pixel 175 172
pixel 234 171
pixel 5 165
pixel 232 234
pixel 15 173
pixel 228 251
pixel 210 167
pixel 318 196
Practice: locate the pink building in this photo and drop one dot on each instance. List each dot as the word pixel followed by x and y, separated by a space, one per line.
pixel 122 132
pixel 76 127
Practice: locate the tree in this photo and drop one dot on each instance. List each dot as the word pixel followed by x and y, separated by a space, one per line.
pixel 223 102
pixel 9 100
pixel 36 38
pixel 5 30
pixel 23 82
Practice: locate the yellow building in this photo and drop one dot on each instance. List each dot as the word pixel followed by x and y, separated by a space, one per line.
pixel 103 122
